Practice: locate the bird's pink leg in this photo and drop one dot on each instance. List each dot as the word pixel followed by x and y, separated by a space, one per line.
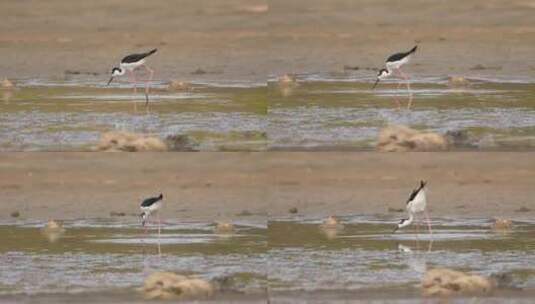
pixel 151 75
pixel 145 229
pixel 132 76
pixel 159 224
pixel 133 80
pixel 396 98
pixel 428 223
pixel 417 226
pixel 407 79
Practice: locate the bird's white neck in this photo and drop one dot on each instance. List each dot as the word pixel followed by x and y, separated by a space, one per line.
pixel 408 221
pixel 118 72
pixel 385 73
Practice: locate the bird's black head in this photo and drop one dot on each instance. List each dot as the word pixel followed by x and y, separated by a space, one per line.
pixel 116 72
pixel 383 73
pixel 399 225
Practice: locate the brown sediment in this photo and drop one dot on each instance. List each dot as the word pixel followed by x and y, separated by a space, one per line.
pixel 401 138
pixel 209 186
pixel 447 282
pixel 168 285
pixel 244 39
pixel 322 183
pixel 116 141
pixel 224 227
pixel 6 84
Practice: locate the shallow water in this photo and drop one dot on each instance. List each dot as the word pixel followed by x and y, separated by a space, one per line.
pixel 318 112
pixel 292 257
pixel 99 255
pixel 331 113
pixel 71 116
pixel 364 253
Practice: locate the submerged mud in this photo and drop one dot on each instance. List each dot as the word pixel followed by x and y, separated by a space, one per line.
pixel 291 257
pixel 313 112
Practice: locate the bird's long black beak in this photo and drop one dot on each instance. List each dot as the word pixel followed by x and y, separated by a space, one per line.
pixel 375 84
pixel 110 80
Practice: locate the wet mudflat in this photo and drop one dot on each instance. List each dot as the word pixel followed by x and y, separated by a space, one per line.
pixel 363 257
pixel 316 112
pixel 70 116
pixel 294 258
pixel 114 257
pixel 325 112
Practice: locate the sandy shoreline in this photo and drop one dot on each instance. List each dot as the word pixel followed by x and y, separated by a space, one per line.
pixel 252 40
pixel 258 186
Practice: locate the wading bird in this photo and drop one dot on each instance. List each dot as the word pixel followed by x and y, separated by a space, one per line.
pixel 130 64
pixel 148 207
pixel 393 65
pixel 416 205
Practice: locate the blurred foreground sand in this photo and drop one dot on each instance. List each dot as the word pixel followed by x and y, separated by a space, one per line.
pixel 249 40
pixel 215 186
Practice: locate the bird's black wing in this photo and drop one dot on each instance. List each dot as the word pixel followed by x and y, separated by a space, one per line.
pixel 396 57
pixel 413 195
pixel 149 201
pixel 415 191
pixel 137 57
pixel 399 56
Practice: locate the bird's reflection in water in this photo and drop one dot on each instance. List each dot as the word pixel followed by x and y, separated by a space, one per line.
pixel 416 259
pixel 330 227
pixel 7 95
pixel 53 231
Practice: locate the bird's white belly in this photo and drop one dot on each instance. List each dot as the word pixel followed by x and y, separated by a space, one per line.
pixel 419 203
pixel 132 66
pixel 397 64
pixel 152 208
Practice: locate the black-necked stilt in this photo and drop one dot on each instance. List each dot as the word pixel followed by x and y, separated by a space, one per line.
pixel 129 64
pixel 149 206
pixel 416 204
pixel 393 64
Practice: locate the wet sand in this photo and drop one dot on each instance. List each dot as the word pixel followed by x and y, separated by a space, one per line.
pixel 250 40
pixel 455 37
pixel 221 186
pixel 77 185
pixel 460 183
pixel 130 296
pixel 218 40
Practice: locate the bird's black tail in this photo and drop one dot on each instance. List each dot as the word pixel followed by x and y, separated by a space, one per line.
pixel 413 49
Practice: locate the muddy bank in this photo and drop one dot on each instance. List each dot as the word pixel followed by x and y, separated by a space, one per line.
pixel 400 295
pixel 460 183
pixel 250 40
pixel 77 185
pixel 222 186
